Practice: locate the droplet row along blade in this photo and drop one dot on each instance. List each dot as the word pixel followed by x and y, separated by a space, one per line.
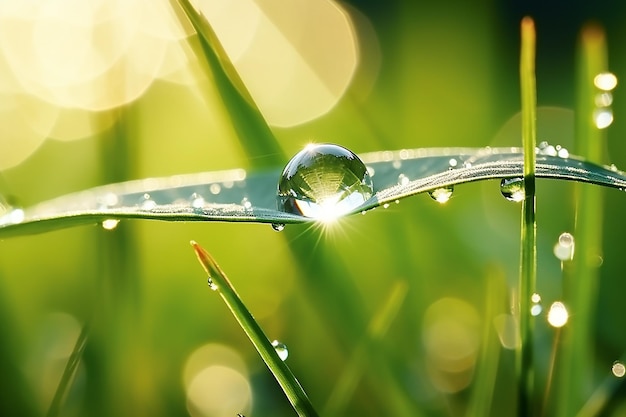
pixel 401 174
pixel 238 196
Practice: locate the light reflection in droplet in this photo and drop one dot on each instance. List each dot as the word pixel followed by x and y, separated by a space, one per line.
pixel 606 81
pixel 281 349
pixel 403 179
pixel 604 99
pixel 558 315
pixel 215 188
pixel 442 195
pixel 197 201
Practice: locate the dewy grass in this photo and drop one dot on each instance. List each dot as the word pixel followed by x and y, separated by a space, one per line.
pixel 575 369
pixel 528 265
pixel 287 381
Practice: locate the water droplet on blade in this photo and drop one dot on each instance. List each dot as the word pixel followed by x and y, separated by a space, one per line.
pixel 324 181
pixel 618 369
pixel 564 247
pixel 279 227
pixel 558 315
pixel 147 203
pixel 512 189
pixel 403 179
pixel 281 349
pixel 212 285
pixel 441 195
pixel 110 224
pixel 197 201
pixel 536 307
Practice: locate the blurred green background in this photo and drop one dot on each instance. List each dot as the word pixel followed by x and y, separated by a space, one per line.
pixel 441 75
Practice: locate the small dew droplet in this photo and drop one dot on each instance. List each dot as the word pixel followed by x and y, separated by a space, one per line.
pixel 536 308
pixel 558 315
pixel 279 227
pixel 513 189
pixel 603 117
pixel 197 201
pixel 546 149
pixel 403 179
pixel 110 224
pixel 246 203
pixel 212 285
pixel 324 182
pixel 386 205
pixel 281 349
pixel 441 195
pixel 147 203
pixel 564 247
pixel 453 162
pixel 618 369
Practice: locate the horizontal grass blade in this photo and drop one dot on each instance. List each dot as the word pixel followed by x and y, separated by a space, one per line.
pixel 239 196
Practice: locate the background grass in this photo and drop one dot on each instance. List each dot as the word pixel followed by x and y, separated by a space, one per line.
pixel 448 77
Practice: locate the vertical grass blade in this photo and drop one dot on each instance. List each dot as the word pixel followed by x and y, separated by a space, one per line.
pixel 287 381
pixel 528 263
pixel 580 287
pixel 353 371
pixel 252 130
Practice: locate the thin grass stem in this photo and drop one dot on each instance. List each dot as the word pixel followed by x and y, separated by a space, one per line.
pixel 580 289
pixel 287 381
pixel 68 373
pixel 528 264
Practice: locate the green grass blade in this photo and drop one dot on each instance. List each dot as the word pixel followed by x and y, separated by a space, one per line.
pixel 239 196
pixel 347 381
pixel 255 135
pixel 528 264
pixel 580 289
pixel 287 381
pixel 68 373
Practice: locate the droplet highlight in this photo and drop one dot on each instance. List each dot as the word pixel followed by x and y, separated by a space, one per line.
pixel 197 201
pixel 535 308
pixel 279 227
pixel 324 182
pixel 211 284
pixel 110 224
pixel 618 369
pixel 441 195
pixel 281 350
pixel 513 189
pixel 147 203
pixel 564 247
pixel 606 81
pixel 558 314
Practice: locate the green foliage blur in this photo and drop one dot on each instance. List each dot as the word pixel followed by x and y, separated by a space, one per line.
pixel 448 77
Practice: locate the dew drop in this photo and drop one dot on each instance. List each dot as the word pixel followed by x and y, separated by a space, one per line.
pixel 396 164
pixel 246 203
pixel 512 189
pixel 197 201
pixel 212 285
pixel 618 369
pixel 110 224
pixel 564 247
pixel 558 315
pixel 403 179
pixel 386 205
pixel 603 117
pixel 604 99
pixel 441 195
pixel 147 203
pixel 453 162
pixel 279 227
pixel 281 349
pixel 12 215
pixel 536 307
pixel 324 181
pixel 546 149
pixel 605 81
pixel 562 152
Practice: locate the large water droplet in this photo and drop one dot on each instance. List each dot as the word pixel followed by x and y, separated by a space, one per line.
pixel 324 181
pixel 512 189
pixel 281 349
pixel 441 195
pixel 558 314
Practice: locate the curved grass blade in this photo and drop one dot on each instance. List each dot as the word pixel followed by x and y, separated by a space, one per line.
pixel 288 382
pixel 236 196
